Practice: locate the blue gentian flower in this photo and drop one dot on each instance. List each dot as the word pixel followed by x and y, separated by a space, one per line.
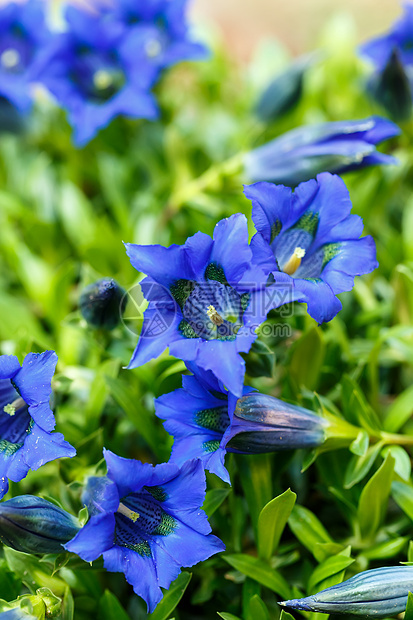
pixel 95 72
pixel 23 35
pixel 392 56
pixel 206 299
pixel 379 593
pixel 338 147
pixel 34 525
pixel 26 420
pixel 399 38
pixel 310 236
pixel 207 421
pixel 147 522
pixel 162 26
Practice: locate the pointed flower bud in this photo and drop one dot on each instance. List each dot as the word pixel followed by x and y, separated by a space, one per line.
pixel 103 303
pixel 391 88
pixel 34 525
pixel 304 152
pixel 381 592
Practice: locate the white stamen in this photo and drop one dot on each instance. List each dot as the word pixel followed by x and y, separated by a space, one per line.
pixel 11 408
pixel 10 58
pixel 294 261
pixel 215 317
pixel 127 512
pixel 102 79
pixel 153 48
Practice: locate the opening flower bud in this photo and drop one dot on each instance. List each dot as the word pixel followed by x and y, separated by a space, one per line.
pixel 103 303
pixel 34 525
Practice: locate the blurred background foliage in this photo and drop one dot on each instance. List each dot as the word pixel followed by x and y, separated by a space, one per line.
pixel 63 216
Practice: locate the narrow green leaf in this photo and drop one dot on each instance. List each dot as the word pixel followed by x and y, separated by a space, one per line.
pixel 410 551
pixel 307 358
pixel 256 482
pixel 307 528
pixel 331 566
pixel 259 571
pixel 110 608
pixel 359 466
pixel 402 494
pixel 361 443
pixel 399 411
pixel 402 466
pixel 409 607
pixel 171 597
pixel 387 549
pixel 227 616
pixel 213 500
pixel 374 497
pixel 286 616
pixel 271 522
pixel 258 609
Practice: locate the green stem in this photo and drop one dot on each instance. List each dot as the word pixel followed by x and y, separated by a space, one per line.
pixel 395 439
pixel 209 178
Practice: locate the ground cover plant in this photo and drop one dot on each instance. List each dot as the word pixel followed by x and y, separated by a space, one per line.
pixel 206 319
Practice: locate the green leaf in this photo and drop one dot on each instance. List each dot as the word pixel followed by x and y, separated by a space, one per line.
pixel 171 597
pixel 402 494
pixel 399 411
pixel 256 480
pixel 286 616
pixel 409 607
pixel 374 497
pixel 213 500
pixel 402 466
pixel 360 445
pixel 307 528
pixel 227 616
pixel 410 551
pixel 258 609
pixel 331 566
pixel 387 549
pixel 259 571
pixel 271 522
pixel 356 408
pixel 110 608
pixel 359 466
pixel 307 358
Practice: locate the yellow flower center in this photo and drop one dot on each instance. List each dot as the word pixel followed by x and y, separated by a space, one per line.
pixel 102 79
pixel 127 512
pixel 153 48
pixel 294 261
pixel 11 408
pixel 215 317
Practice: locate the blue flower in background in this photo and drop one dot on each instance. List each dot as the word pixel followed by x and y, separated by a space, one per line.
pixel 310 235
pixel 95 72
pixel 206 299
pixel 399 38
pixel 301 154
pixel 392 56
pixel 147 522
pixel 23 35
pixel 163 28
pixel 26 420
pixel 207 421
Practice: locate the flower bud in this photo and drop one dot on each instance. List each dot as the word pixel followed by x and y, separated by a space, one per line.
pixel 103 303
pixel 283 92
pixel 263 423
pixel 34 525
pixel 381 592
pixel 391 88
pixel 304 152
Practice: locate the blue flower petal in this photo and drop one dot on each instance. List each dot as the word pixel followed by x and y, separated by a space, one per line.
pixel 231 250
pixel 164 265
pixel 356 257
pixel 321 301
pixel 94 538
pixel 223 360
pixel 40 447
pixel 34 384
pixel 100 495
pixel 9 366
pixel 159 331
pixel 271 208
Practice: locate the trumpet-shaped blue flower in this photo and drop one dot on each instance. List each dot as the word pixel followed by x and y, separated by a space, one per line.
pixel 26 420
pixel 207 421
pixel 95 72
pixel 206 299
pixel 310 236
pixel 379 593
pixel 338 147
pixel 23 34
pixel 163 28
pixel 147 522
